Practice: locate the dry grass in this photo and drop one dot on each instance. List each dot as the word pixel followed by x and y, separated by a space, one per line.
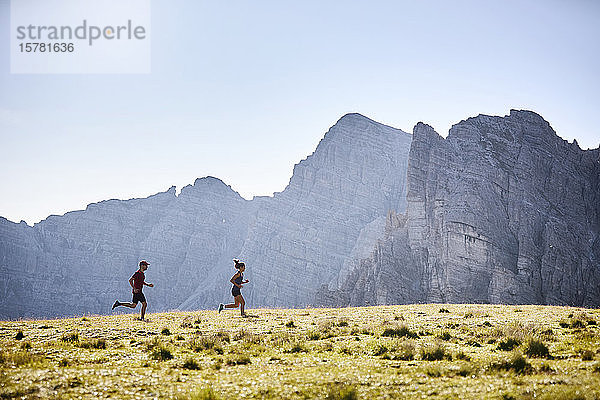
pixel 410 351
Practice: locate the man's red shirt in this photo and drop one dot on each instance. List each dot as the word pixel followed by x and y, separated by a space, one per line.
pixel 138 280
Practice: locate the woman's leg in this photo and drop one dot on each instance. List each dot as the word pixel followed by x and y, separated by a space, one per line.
pixel 236 304
pixel 242 304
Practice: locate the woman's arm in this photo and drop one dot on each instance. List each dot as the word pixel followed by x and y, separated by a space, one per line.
pixel 232 280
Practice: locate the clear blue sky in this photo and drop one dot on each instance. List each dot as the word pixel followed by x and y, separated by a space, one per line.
pixel 243 90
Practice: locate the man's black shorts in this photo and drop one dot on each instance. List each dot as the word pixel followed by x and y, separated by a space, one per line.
pixel 138 297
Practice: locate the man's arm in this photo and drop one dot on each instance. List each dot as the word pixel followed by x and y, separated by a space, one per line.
pixel 131 283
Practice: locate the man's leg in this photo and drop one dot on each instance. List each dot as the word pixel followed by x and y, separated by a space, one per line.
pixel 144 305
pixel 130 305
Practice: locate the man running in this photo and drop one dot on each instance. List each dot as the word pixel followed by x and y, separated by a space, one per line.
pixel 137 283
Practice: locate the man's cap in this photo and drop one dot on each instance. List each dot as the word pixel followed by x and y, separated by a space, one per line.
pixel 144 262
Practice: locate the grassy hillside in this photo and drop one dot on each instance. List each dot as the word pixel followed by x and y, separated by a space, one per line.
pixel 410 351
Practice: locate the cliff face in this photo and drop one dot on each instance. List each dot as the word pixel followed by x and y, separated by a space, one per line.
pixel 501 211
pixel 80 262
pixel 333 209
pixel 305 236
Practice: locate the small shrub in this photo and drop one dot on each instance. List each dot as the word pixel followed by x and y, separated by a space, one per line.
pixel 462 356
pixel 151 344
pixel 297 347
pixel 517 364
pixel 577 324
pixel 473 343
pixel 342 323
pixel 379 349
pixel 26 345
pixel 179 337
pixel 202 394
pixel 517 330
pixel 327 346
pixel 445 336
pixel 587 355
pixel 93 344
pixel 403 331
pixel 341 392
pixel 212 343
pixel 70 338
pixel 564 324
pixel 591 322
pixel 548 333
pixel 487 323
pixel 22 358
pixel 565 393
pixel 190 363
pixel 434 353
pixel 469 315
pixel 165 332
pixel 546 368
pixel 248 338
pixel 239 359
pixel 161 353
pixel 405 351
pixel 444 310
pixel 465 370
pixel 313 335
pixel 508 344
pixel 536 348
pixel 433 372
pixel 222 336
pixel 19 335
pixel 74 382
pixel 63 363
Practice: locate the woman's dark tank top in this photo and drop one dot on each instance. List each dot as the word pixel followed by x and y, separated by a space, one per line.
pixel 239 279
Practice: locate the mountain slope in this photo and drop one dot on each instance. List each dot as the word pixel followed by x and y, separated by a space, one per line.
pixel 502 210
pixel 292 242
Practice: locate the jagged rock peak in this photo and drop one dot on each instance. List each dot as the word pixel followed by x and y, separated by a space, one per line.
pixel 356 118
pixel 422 129
pixel 355 125
pixel 209 183
pixel 209 180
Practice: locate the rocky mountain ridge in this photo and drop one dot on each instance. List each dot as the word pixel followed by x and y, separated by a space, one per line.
pixel 501 211
pixel 292 242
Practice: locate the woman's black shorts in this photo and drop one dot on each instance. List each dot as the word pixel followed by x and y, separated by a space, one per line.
pixel 138 297
pixel 235 291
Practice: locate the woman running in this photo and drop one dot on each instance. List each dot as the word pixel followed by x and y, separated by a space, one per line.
pixel 237 280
